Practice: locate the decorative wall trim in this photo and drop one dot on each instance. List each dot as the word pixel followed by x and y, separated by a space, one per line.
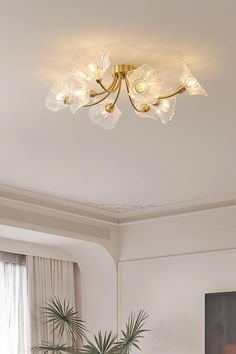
pixel 25 197
pixel 103 216
pixel 177 255
pixel 42 213
pixel 122 208
pixel 178 209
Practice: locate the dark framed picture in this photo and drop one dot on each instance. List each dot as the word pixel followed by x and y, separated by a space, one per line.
pixel 220 323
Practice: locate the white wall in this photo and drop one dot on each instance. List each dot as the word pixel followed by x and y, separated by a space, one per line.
pixel 98 274
pixel 172 291
pixel 167 265
pixel 194 232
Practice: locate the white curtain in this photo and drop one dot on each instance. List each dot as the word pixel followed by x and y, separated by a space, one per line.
pixel 48 278
pixel 14 322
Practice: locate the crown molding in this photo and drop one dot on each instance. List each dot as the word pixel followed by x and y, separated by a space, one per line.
pixel 29 210
pixel 24 199
pixel 172 210
pixel 121 208
pixel 103 216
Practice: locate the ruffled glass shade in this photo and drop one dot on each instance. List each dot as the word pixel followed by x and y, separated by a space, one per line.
pixel 191 84
pixel 144 84
pixel 164 111
pixel 151 114
pixel 99 115
pixel 92 65
pixel 71 93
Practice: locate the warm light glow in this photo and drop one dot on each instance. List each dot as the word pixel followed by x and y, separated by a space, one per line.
pixel 80 75
pixel 165 104
pixel 92 67
pixel 145 84
pixel 144 88
pixel 191 84
pixel 140 86
pixel 60 96
pixel 80 92
pixel 71 93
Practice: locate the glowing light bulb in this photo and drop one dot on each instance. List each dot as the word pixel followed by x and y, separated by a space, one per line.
pixel 165 104
pixel 144 84
pixel 190 82
pixel 80 93
pixel 60 96
pixel 70 93
pixel 92 67
pixel 140 86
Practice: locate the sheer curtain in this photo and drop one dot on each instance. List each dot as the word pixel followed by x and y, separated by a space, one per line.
pixel 14 321
pixel 26 284
pixel 48 278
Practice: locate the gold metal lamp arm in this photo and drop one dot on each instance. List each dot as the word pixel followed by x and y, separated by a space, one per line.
pixel 180 89
pixel 119 84
pixel 106 89
pixel 108 94
pixel 111 106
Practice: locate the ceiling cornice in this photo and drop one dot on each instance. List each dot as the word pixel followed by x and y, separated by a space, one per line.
pixel 173 210
pixel 104 215
pixel 23 199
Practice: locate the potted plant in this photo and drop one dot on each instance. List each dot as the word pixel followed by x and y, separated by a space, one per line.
pixel 63 319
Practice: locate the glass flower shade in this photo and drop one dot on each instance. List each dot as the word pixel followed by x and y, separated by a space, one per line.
pixel 164 111
pixel 70 93
pixel 93 65
pixel 191 84
pixel 144 84
pixel 99 115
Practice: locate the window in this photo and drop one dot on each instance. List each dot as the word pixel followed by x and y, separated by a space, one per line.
pixel 14 323
pixel 26 284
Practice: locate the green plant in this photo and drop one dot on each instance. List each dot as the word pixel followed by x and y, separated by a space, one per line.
pixel 65 320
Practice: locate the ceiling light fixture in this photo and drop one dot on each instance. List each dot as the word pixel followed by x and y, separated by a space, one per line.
pixel 143 84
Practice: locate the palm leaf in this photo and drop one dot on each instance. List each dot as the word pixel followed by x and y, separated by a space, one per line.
pixel 133 332
pixel 103 344
pixel 64 318
pixel 47 347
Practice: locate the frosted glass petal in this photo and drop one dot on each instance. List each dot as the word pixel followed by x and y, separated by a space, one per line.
pixel 145 84
pixel 80 97
pixel 56 95
pixel 92 65
pixel 69 93
pixel 99 116
pixel 191 84
pixel 166 109
pixel 151 114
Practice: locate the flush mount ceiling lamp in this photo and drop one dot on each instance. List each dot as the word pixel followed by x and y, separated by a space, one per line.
pixel 143 84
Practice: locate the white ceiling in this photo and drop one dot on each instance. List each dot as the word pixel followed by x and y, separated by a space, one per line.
pixel 140 161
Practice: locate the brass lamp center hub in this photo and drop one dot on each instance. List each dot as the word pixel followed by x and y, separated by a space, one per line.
pixel 122 69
